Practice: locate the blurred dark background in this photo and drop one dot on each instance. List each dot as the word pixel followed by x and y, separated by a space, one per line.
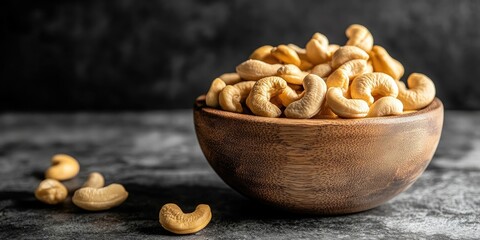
pixel 74 55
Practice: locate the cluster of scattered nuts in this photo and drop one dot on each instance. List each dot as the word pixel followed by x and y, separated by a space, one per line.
pixel 322 80
pixel 94 196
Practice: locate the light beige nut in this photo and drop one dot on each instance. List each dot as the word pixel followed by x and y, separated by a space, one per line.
pixel 258 101
pixel 230 78
pixel 383 62
pixel 332 48
pixel 317 49
pixel 95 180
pixel 292 74
pixel 347 53
pixel 212 95
pixel 322 70
pixel 348 71
pixel 98 199
pixel 232 96
pixel 51 191
pixel 359 36
pixel 174 220
pixel 286 55
pixel 343 107
pixel 297 49
pixel 288 96
pixel 369 86
pixel 264 54
pixel 305 64
pixel 325 112
pixel 253 70
pixel 420 94
pixel 311 101
pixel 385 106
pixel 63 167
pixel 295 87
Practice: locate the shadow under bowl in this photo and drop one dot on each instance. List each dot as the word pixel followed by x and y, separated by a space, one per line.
pixel 319 166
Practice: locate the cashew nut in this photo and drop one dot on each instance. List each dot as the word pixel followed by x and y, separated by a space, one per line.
pixel 343 107
pixel 291 74
pixel 63 167
pixel 259 98
pixel 347 53
pixel 311 101
pixel 288 96
pixel 322 70
pixel 317 49
pixel 97 199
pixel 286 55
pixel 305 64
pixel 332 48
pixel 173 219
pixel 232 96
pixel 253 70
pixel 51 191
pixel 385 106
pixel 359 36
pixel 349 70
pixel 383 62
pixel 263 53
pixel 230 78
pixel 371 85
pixel 212 95
pixel 95 180
pixel 420 94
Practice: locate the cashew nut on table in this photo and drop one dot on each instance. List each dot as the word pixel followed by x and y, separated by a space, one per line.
pixel 361 79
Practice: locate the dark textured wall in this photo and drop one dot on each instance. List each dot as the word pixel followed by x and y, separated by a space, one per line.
pixel 76 55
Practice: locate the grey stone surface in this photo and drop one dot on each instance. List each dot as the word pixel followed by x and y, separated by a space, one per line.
pixel 156 157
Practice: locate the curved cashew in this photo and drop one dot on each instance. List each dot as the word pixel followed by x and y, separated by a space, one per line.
pixel 332 48
pixel 420 94
pixel 349 70
pixel 305 64
pixel 322 70
pixel 383 62
pixel 263 53
pixel 230 78
pixel 286 55
pixel 63 167
pixel 314 95
pixel 385 106
pixel 212 95
pixel 371 85
pixel 343 107
pixel 232 96
pixel 359 36
pixel 95 180
pixel 288 96
pixel 325 112
pixel 291 74
pixel 259 98
pixel 172 218
pixel 347 53
pixel 97 199
pixel 51 191
pixel 317 49
pixel 253 70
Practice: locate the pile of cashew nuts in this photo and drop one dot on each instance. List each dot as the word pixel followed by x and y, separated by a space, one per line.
pixel 321 80
pixel 94 196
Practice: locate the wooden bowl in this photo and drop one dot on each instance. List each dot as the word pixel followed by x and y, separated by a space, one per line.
pixel 319 166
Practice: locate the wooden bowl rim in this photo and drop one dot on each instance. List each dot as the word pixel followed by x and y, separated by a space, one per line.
pixel 408 117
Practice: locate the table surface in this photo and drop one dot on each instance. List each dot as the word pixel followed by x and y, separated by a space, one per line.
pixel 155 155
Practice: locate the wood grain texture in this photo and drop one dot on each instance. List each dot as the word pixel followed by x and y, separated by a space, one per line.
pixel 330 166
